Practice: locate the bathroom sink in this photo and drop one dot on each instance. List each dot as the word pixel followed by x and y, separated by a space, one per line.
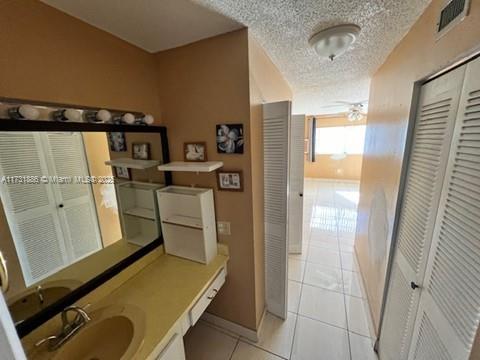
pixel 114 333
pixel 33 300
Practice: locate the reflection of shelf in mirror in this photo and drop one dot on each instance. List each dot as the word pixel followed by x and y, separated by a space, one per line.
pixel 185 221
pixel 141 212
pixel 133 163
pixel 140 239
pixel 207 166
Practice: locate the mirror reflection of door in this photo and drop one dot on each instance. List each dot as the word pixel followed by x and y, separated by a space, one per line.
pixel 53 224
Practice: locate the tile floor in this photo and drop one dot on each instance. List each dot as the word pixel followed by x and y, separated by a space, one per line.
pixel 324 276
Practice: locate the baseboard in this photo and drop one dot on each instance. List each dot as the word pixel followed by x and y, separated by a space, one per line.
pixel 367 309
pixel 240 330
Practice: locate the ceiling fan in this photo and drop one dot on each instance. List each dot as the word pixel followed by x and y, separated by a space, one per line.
pixel 356 111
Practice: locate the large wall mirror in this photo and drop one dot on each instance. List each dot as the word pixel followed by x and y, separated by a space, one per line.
pixel 75 204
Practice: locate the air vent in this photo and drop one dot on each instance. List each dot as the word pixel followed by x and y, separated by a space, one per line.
pixel 451 14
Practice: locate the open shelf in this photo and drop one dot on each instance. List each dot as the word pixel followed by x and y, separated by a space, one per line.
pixel 141 212
pixel 140 239
pixel 206 166
pixel 133 163
pixel 186 221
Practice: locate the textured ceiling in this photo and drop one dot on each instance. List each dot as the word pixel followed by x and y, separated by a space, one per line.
pixel 283 28
pixel 153 25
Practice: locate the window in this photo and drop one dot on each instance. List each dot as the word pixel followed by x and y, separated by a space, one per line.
pixel 340 140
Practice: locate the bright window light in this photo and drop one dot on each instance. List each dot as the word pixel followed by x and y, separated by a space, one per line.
pixel 340 140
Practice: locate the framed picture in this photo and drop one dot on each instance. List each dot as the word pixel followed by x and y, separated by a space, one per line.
pixel 117 141
pixel 230 139
pixel 195 151
pixel 122 172
pixel 141 151
pixel 230 180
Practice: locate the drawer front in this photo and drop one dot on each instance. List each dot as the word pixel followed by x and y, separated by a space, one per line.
pixel 174 349
pixel 207 297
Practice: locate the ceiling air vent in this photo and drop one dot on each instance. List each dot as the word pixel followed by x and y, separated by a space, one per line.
pixel 451 14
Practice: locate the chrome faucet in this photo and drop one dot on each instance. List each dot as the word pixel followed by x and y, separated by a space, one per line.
pixel 69 328
pixel 40 296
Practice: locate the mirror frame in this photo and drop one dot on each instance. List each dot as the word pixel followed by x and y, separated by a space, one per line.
pixel 30 324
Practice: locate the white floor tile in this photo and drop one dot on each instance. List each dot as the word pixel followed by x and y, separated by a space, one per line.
pixel 330 244
pixel 203 342
pixel 346 248
pixel 356 315
pixel 323 305
pixel 349 261
pixel 324 257
pixel 351 283
pixel 295 269
pixel 328 278
pixel 294 290
pixel 361 348
pixel 277 334
pixel 318 341
pixel 246 351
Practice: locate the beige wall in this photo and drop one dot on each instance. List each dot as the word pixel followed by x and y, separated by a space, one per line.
pixel 49 56
pixel 201 85
pixel 417 55
pixel 324 166
pixel 266 85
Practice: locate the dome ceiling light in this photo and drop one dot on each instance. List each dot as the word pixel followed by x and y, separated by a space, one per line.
pixel 334 41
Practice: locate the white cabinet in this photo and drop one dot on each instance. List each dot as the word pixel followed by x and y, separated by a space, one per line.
pixel 174 350
pixel 188 222
pixel 139 211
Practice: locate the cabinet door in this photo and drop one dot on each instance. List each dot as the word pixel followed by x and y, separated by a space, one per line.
pixel 76 206
pixel 449 309
pixel 174 349
pixel 433 130
pixel 295 175
pixel 276 125
pixel 30 208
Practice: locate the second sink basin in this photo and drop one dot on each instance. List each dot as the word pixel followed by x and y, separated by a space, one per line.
pixel 115 332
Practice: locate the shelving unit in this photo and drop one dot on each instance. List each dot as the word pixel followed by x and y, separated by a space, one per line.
pixel 188 222
pixel 133 163
pixel 139 211
pixel 207 166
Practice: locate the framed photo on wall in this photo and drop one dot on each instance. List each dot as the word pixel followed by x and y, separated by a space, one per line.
pixel 195 151
pixel 117 141
pixel 123 172
pixel 230 139
pixel 230 180
pixel 141 151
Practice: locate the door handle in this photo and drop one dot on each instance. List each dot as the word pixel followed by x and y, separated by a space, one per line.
pixel 300 194
pixel 414 286
pixel 4 283
pixel 60 206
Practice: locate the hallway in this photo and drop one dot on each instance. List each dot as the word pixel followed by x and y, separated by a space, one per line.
pixel 327 318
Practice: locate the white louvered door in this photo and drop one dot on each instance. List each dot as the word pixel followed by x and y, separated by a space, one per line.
pixel 434 126
pixel 75 200
pixel 296 177
pixel 276 123
pixel 449 309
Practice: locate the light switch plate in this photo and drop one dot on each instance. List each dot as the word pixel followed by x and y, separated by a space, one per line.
pixel 223 228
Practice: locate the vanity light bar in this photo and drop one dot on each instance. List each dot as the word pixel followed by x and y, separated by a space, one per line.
pixel 16 110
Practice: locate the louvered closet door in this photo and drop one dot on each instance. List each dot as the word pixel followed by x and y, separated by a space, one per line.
pixel 276 122
pixel 30 208
pixel 434 125
pixel 449 310
pixel 296 177
pixel 75 201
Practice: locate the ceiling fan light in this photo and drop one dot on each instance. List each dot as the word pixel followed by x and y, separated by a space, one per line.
pixel 334 41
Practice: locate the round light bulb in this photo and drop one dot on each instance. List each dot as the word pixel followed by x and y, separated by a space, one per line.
pixel 104 115
pixel 148 119
pixel 72 115
pixel 128 118
pixel 29 112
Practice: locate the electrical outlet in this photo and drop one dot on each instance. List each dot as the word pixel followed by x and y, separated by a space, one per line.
pixel 223 228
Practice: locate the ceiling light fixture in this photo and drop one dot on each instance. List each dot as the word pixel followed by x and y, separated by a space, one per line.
pixel 334 41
